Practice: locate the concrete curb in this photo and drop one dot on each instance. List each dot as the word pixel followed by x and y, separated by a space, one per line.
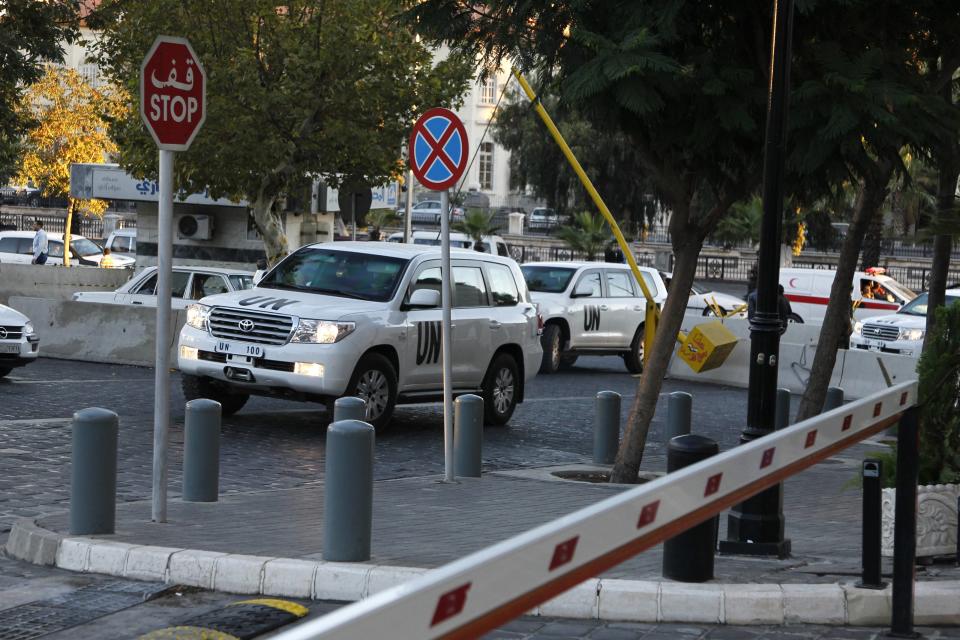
pixel 936 603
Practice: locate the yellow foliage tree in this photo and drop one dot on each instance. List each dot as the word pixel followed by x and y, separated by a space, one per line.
pixel 70 125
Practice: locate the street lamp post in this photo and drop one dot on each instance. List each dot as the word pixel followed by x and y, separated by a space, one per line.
pixel 755 526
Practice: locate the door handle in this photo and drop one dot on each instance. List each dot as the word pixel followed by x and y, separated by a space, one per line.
pixel 495 324
pixel 135 302
pixel 638 308
pixel 603 307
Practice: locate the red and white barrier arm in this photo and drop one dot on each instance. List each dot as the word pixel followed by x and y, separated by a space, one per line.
pixel 480 592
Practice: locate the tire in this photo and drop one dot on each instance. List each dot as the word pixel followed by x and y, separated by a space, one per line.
pixel 708 312
pixel 375 381
pixel 794 318
pixel 633 359
pixel 568 360
pixel 501 389
pixel 551 343
pixel 195 387
pixel 5 370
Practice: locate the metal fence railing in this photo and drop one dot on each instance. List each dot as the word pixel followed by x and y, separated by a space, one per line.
pixel 475 594
pixel 89 227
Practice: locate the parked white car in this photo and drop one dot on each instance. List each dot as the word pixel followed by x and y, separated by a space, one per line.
pixel 16 247
pixel 363 319
pixel 491 244
pixel 702 299
pixel 19 344
pixel 902 332
pixel 808 291
pixel 122 242
pixel 592 308
pixel 188 285
pixel 428 212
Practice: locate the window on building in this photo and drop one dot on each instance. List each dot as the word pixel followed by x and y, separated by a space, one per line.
pixel 486 166
pixel 488 91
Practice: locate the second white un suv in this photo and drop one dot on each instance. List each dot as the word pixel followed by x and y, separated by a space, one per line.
pixel 363 319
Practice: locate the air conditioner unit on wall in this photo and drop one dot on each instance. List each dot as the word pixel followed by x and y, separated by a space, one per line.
pixel 193 227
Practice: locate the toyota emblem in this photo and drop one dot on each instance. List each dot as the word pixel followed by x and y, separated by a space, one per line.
pixel 3 333
pixel 245 325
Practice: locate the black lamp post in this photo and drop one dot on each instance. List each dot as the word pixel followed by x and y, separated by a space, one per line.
pixel 755 526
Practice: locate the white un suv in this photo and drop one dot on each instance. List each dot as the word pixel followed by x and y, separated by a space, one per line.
pixel 363 319
pixel 591 307
pixel 902 332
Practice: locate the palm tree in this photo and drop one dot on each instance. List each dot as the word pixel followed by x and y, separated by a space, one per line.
pixel 587 234
pixel 377 219
pixel 477 224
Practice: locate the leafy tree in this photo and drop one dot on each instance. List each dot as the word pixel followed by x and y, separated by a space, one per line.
pixel 939 371
pixel 588 233
pixel 742 223
pixel 70 125
pixel 477 224
pixel 316 87
pixel 31 34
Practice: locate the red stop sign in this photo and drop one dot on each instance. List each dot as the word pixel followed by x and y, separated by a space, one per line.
pixel 172 93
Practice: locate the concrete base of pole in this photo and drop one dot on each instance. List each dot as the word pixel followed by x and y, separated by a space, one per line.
pixel 348 495
pixel 93 474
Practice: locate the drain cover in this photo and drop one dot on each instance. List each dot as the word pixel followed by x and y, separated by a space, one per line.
pixel 43 617
pixel 240 620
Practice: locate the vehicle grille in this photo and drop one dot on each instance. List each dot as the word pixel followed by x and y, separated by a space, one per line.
pixel 10 332
pixel 267 328
pixel 880 332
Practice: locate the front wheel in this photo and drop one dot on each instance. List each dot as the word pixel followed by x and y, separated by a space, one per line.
pixel 501 389
pixel 375 382
pixel 792 317
pixel 568 360
pixel 633 359
pixel 550 341
pixel 195 387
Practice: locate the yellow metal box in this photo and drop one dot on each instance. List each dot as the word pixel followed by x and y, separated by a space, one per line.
pixel 707 346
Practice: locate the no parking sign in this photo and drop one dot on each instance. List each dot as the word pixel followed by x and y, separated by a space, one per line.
pixel 438 149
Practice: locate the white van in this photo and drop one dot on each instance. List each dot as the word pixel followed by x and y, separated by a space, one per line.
pixel 123 242
pixel 492 244
pixel 808 291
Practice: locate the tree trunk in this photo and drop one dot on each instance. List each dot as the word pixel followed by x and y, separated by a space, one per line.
pixel 271 230
pixel 630 455
pixel 942 243
pixel 870 255
pixel 836 321
pixel 67 227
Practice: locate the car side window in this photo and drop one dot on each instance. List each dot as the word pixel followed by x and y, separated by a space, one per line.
pixel 469 289
pixel 619 285
pixel 429 278
pixel 148 288
pixel 503 287
pixel 55 249
pixel 650 282
pixel 206 284
pixel 592 279
pixel 9 245
pixel 178 285
pixel 503 250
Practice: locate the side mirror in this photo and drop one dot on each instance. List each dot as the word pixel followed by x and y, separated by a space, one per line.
pixel 582 290
pixel 424 299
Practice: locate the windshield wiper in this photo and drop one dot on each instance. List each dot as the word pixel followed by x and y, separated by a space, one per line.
pixel 339 292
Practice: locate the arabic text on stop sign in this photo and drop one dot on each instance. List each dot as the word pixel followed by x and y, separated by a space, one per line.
pixel 176 108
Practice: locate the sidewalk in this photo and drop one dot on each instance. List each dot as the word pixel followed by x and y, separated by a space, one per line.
pixel 423 523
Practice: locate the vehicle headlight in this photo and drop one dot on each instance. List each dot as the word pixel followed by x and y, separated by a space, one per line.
pixel 198 316
pixel 858 327
pixel 322 331
pixel 912 334
pixel 28 329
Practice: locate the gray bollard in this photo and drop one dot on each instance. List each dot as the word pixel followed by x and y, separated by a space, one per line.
pixel 201 451
pixel 93 474
pixel 688 556
pixel 606 428
pixel 834 398
pixel 679 414
pixel 349 408
pixel 348 494
pixel 468 435
pixel 781 416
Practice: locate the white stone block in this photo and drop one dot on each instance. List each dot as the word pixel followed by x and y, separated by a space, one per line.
pixel 193 568
pixel 752 604
pixel 813 603
pixel 108 557
pixel 868 606
pixel 341 581
pixel 681 602
pixel 148 563
pixel 383 577
pixel 937 603
pixel 580 601
pixel 73 554
pixel 237 573
pixel 629 600
pixel 289 578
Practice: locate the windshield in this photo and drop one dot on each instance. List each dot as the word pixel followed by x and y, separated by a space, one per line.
pixel 364 276
pixel 241 282
pixel 918 306
pixel 547 279
pixel 84 247
pixel 698 289
pixel 898 289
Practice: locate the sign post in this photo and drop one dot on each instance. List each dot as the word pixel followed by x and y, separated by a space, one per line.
pixel 173 108
pixel 438 157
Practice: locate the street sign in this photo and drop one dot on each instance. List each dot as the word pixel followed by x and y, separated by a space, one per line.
pixel 172 93
pixel 439 151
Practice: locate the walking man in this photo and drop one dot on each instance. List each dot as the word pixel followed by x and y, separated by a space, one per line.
pixel 40 245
